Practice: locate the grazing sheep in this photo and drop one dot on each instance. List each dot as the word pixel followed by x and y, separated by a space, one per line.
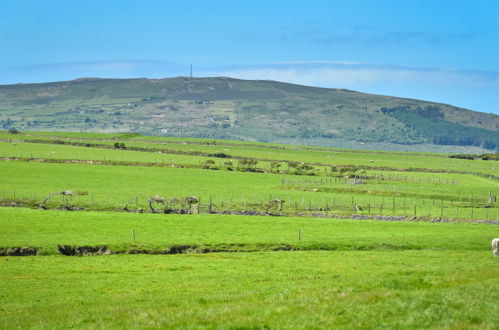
pixel 495 247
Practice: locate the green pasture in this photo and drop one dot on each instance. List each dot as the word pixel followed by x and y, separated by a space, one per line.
pixel 342 289
pixel 68 152
pixel 243 190
pixel 46 229
pixel 337 273
pixel 381 274
pixel 112 186
pixel 275 152
pixel 343 157
pixel 61 152
pixel 75 135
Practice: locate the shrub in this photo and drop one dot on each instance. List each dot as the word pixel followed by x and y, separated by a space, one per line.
pixel 13 131
pixel 221 155
pixel 463 156
pixel 118 145
pixel 228 164
pixel 247 164
pixel 274 167
pixel 490 156
pixel 209 163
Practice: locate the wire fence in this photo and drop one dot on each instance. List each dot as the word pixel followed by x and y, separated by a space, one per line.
pixel 276 205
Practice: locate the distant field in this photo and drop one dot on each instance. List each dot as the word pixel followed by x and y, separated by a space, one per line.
pixel 396 183
pixel 275 152
pixel 113 186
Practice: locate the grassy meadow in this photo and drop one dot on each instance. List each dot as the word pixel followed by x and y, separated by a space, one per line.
pixel 280 248
pixel 258 150
pixel 156 232
pixel 318 289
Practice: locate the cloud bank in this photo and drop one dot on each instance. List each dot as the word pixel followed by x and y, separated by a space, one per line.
pixel 350 74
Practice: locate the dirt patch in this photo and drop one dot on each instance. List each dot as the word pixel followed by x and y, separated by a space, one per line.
pixel 196 249
pixel 73 250
pixel 19 251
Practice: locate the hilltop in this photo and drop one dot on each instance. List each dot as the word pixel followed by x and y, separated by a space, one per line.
pixel 244 110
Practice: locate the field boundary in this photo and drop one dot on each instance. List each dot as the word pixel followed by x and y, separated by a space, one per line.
pixel 95 250
pixel 311 214
pixel 257 170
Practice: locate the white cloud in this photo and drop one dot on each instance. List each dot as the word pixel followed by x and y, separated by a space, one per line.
pixel 354 75
pixel 327 73
pixel 317 62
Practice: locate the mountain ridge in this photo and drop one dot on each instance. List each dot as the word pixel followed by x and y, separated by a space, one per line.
pixel 224 107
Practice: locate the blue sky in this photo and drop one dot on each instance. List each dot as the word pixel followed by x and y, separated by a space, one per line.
pixel 445 51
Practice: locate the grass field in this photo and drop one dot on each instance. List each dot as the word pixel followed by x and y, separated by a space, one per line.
pixel 295 262
pixel 277 152
pixel 113 186
pixel 382 289
pixel 412 274
pixel 46 229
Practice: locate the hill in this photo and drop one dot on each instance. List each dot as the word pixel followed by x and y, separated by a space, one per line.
pixel 244 110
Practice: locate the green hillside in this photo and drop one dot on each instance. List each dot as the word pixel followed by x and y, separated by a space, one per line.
pixel 245 110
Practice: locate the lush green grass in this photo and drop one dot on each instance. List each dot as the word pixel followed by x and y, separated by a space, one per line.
pixel 274 152
pixel 112 186
pixel 46 229
pixel 342 274
pixel 449 281
pixel 57 151
pixel 343 289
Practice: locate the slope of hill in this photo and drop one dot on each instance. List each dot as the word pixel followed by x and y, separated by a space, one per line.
pixel 243 109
